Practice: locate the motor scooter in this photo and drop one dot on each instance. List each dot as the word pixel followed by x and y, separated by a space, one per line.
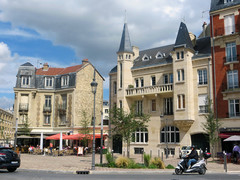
pixel 198 167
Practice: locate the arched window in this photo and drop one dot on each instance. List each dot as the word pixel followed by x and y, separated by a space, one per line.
pixel 170 134
pixel 140 136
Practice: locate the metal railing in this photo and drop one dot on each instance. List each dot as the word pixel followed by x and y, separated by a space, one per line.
pixel 23 106
pixel 47 108
pixel 163 88
pixel 226 30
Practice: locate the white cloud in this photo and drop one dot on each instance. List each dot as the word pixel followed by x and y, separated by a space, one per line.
pixel 6 103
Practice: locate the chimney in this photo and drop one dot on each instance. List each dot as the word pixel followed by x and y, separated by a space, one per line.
pixel 45 67
pixel 204 26
pixel 84 61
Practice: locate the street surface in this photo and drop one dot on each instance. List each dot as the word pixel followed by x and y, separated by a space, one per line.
pixel 45 175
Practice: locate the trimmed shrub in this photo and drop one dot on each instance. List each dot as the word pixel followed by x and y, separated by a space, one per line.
pixel 109 158
pixel 122 162
pixel 170 167
pixel 158 163
pixel 147 159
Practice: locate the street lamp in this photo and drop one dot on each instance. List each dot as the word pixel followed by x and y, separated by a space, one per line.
pixel 15 135
pixel 101 150
pixel 94 90
pixel 166 135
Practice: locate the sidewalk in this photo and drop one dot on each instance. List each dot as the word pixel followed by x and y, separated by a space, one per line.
pixel 71 164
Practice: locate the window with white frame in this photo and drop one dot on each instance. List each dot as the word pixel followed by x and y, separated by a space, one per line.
pixel 232 79
pixel 142 82
pixel 202 76
pixel 159 55
pixel 168 78
pixel 139 108
pixel 202 103
pixel 168 106
pixel 145 57
pixel 170 134
pixel 180 75
pixel 180 55
pixel 23 118
pixel 229 24
pixel 48 82
pixel 63 119
pixel 231 52
pixel 181 101
pixel 64 80
pixel 48 101
pixel 25 80
pixel 121 76
pixel 153 106
pixel 140 136
pixel 136 83
pixel 47 119
pixel 234 110
pixel 153 80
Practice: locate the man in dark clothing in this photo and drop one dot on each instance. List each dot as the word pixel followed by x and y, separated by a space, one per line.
pixel 193 156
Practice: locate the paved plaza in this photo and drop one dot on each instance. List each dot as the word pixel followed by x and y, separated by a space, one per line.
pixel 73 163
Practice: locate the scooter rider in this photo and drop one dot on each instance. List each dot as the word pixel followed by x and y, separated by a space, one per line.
pixel 193 156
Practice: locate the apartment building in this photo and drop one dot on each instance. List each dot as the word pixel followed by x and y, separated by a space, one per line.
pixel 7 128
pixel 225 29
pixel 170 83
pixel 52 100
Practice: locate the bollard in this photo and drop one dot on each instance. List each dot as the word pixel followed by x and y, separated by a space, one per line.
pixel 112 155
pixel 142 156
pixel 151 153
pixel 123 153
pixel 159 153
pixel 225 161
pixel 162 156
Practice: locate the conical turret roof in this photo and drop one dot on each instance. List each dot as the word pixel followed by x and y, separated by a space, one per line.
pixel 183 38
pixel 125 44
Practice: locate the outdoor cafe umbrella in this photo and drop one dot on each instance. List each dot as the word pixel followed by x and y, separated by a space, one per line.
pixel 233 138
pixel 55 136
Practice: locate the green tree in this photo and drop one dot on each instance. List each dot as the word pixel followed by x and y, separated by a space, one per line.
pixel 211 126
pixel 85 130
pixel 126 123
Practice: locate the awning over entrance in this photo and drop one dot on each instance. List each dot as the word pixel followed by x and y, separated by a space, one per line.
pixel 227 134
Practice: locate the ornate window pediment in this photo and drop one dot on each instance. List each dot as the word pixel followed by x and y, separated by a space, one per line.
pixel 145 57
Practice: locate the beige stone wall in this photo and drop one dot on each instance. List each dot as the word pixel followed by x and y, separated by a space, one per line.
pixel 7 126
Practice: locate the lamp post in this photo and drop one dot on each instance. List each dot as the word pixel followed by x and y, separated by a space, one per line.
pixel 166 135
pixel 101 150
pixel 94 90
pixel 15 135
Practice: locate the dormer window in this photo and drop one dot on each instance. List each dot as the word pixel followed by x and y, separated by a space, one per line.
pixel 48 82
pixel 64 80
pixel 25 80
pixel 159 55
pixel 145 58
pixel 227 1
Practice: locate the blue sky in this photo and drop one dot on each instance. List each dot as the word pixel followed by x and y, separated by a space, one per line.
pixel 63 33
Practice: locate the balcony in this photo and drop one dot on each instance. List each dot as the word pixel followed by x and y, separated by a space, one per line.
pixel 47 108
pixel 62 108
pixel 23 106
pixel 157 89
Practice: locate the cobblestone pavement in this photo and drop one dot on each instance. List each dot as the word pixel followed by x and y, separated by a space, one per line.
pixel 71 164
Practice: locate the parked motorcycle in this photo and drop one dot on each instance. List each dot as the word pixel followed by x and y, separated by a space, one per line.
pixel 198 167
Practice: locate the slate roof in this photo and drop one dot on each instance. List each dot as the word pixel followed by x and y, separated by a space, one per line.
pixel 58 71
pixel 27 64
pixel 114 70
pixel 202 47
pixel 219 4
pixel 153 61
pixel 125 44
pixel 183 38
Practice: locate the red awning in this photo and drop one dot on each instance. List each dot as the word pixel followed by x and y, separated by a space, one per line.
pixel 81 136
pixel 227 134
pixel 55 137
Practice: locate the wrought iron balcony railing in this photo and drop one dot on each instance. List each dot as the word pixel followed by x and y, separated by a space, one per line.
pixel 47 108
pixel 23 106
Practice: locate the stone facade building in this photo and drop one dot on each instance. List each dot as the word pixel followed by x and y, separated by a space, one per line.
pixel 52 100
pixel 170 83
pixel 225 29
pixel 7 125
